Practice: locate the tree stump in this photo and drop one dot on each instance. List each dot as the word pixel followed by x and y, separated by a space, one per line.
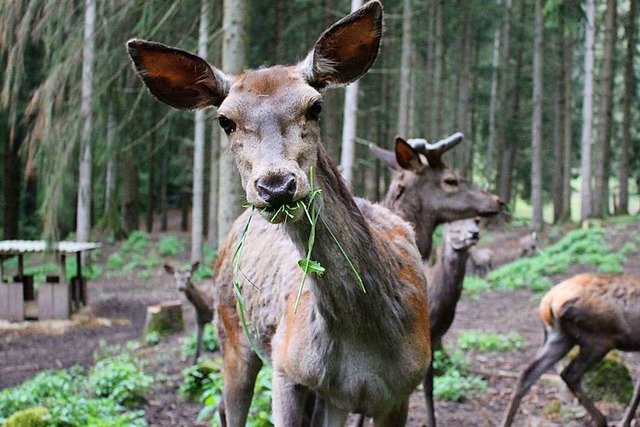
pixel 165 318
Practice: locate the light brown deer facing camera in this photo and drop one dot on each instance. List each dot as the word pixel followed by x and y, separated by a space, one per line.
pixel 360 352
pixel 202 300
pixel 598 313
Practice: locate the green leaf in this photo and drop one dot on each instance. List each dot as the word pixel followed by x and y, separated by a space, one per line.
pixel 310 266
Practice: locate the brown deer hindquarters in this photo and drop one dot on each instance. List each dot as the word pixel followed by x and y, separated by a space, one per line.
pixel 598 313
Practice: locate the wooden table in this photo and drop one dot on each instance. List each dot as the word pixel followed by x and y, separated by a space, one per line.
pixel 58 297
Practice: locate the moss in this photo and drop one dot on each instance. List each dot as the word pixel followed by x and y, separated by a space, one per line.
pixel 609 380
pixel 30 417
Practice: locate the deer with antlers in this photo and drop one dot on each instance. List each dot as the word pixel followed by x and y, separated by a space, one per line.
pixel 361 352
pixel 598 313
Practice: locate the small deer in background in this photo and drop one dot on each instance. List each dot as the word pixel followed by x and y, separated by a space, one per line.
pixel 201 299
pixel 480 261
pixel 598 313
pixel 359 352
pixel 528 244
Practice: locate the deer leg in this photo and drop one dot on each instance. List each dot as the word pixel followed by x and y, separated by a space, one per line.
pixel 199 333
pixel 572 376
pixel 556 345
pixel 428 395
pixel 633 405
pixel 240 371
pixel 288 405
pixel 396 417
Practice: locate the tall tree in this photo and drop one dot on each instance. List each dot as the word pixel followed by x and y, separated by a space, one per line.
pixel 493 100
pixel 350 123
pixel 629 88
pixel 233 61
pixel 587 111
pixel 438 74
pixel 83 221
pixel 567 116
pixel 466 56
pixel 197 212
pixel 405 71
pixel 602 154
pixel 536 121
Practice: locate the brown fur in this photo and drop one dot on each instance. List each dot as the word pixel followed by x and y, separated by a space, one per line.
pixel 598 313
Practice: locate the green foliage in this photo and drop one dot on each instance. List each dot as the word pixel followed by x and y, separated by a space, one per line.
pixel 609 380
pixel 153 338
pixel 204 272
pixel 202 378
pixel 65 395
pixel 452 382
pixel 209 341
pixel 119 379
pixel 474 285
pixel 485 342
pixel 582 246
pixel 137 242
pixel 170 246
pixel 30 417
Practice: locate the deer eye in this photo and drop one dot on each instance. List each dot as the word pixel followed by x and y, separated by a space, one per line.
pixel 313 113
pixel 451 181
pixel 227 124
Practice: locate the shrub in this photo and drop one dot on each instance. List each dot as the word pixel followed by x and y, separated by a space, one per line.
pixel 485 342
pixel 36 416
pixel 454 384
pixel 152 338
pixel 170 246
pixel 119 379
pixel 136 243
pixel 474 285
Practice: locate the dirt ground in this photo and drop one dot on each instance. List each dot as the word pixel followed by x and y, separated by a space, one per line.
pixel 116 314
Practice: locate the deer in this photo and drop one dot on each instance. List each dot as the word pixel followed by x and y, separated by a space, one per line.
pixel 202 300
pixel 427 193
pixel 597 313
pixel 480 261
pixel 528 244
pixel 360 347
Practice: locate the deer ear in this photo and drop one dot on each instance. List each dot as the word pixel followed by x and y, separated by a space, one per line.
pixel 347 49
pixel 168 268
pixel 176 77
pixel 195 266
pixel 407 157
pixel 385 156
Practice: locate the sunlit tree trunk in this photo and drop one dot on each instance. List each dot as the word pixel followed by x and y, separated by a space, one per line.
pixel 493 101
pixel 602 148
pixel 629 80
pixel 230 193
pixel 536 122
pixel 349 124
pixel 587 111
pixel 567 116
pixel 83 220
pixel 405 72
pixel 197 212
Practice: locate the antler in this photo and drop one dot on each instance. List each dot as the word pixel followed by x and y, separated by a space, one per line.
pixel 433 152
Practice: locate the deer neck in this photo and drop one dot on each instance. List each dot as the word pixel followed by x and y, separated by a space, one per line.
pixel 337 295
pixel 202 302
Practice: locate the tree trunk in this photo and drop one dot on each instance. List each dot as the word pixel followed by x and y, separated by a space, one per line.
pixel 130 184
pixel 503 99
pixel 405 71
pixel 212 226
pixel 151 193
pixel 197 212
pixel 602 154
pixel 12 187
pixel 83 221
pixel 567 115
pixel 558 127
pixel 536 122
pixel 629 86
pixel 164 172
pixel 587 111
pixel 438 82
pixel 429 73
pixel 230 195
pixel 110 174
pixel 350 124
pixel 493 101
pixel 463 92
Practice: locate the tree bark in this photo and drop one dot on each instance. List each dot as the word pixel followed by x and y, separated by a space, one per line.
pixel 629 86
pixel 197 211
pixel 83 220
pixel 130 194
pixel 493 101
pixel 151 193
pixel 405 71
pixel 230 195
pixel 602 154
pixel 463 91
pixel 164 172
pixel 503 99
pixel 558 126
pixel 438 82
pixel 536 122
pixel 567 115
pixel 587 112
pixel 12 187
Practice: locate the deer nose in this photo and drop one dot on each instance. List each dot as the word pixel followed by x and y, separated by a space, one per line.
pixel 277 190
pixel 475 235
